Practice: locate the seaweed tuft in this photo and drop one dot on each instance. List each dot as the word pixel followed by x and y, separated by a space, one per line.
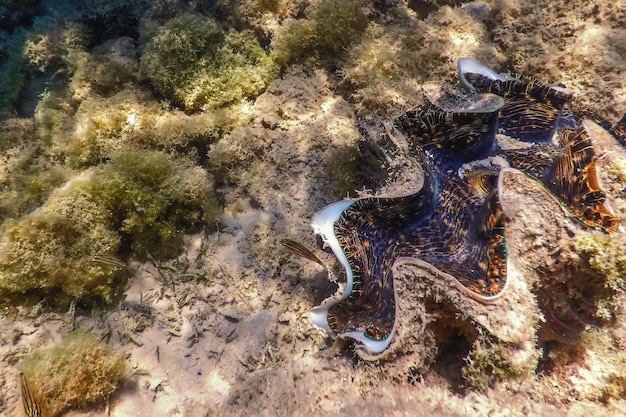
pixel 487 364
pixel 78 373
pixel 198 65
pixel 329 28
pixel 153 199
pixel 47 254
pixel 138 204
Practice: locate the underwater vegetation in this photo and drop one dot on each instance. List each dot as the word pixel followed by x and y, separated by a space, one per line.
pixel 606 259
pixel 47 253
pixel 139 203
pixel 152 199
pixel 329 27
pixel 102 168
pixel 130 120
pixel 33 58
pixel 485 364
pixel 78 373
pixel 27 176
pixel 199 65
pixel 386 68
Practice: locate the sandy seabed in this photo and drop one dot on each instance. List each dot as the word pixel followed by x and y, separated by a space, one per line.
pixel 223 329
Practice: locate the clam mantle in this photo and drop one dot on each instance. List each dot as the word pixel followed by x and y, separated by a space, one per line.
pixel 453 223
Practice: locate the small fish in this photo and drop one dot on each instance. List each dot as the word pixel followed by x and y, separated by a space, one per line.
pixel 300 250
pixel 31 408
pixel 109 260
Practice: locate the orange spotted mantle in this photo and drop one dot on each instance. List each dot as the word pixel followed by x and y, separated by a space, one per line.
pixel 455 222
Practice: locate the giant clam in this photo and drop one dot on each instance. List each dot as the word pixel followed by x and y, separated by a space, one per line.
pixel 463 143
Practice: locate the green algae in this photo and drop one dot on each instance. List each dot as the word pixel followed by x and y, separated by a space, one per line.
pixel 605 257
pixel 260 16
pixel 199 65
pixel 105 70
pixel 384 70
pixel 106 135
pixel 101 169
pixel 78 373
pixel 47 253
pixel 25 191
pixel 152 199
pixel 487 364
pixel 34 59
pixel 140 203
pixel 132 120
pixel 329 28
pixel 27 175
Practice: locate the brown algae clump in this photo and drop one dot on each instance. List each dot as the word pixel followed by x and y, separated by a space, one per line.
pixel 197 64
pixel 79 372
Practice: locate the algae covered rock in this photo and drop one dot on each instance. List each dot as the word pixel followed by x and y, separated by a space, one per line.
pixel 152 199
pixel 102 127
pixel 140 203
pixel 49 251
pixel 386 68
pixel 328 29
pixel 197 64
pixel 35 59
pixel 79 372
pixel 105 70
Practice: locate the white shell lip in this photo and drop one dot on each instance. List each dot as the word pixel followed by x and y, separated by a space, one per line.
pixel 323 224
pixel 373 347
pixel 465 65
pixel 564 90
